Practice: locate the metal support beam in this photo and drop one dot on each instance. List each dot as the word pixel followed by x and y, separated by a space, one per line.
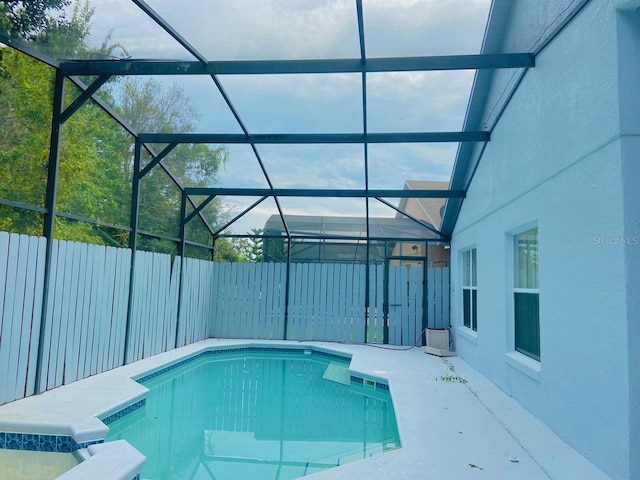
pixel 199 209
pixel 425 292
pixel 49 222
pixel 22 206
pixel 83 97
pixel 348 238
pixel 316 138
pixel 109 111
pixel 106 108
pixel 133 241
pixel 169 29
pixel 365 130
pixel 282 217
pixel 411 217
pixel 236 115
pixel 385 295
pixel 286 290
pixel 181 252
pixel 321 193
pixel 361 36
pixel 177 183
pixel 241 214
pixel 157 159
pixel 26 48
pixel 279 67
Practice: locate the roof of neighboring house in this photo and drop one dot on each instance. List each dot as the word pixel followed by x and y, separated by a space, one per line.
pixel 430 208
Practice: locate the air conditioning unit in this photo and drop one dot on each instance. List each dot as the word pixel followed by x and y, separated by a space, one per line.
pixel 438 338
pixel 438 342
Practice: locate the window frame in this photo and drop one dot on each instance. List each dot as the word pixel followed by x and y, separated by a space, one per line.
pixel 470 285
pixel 523 287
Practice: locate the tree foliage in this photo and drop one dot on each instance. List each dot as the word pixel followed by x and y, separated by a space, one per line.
pixel 252 248
pixel 25 100
pixel 149 106
pixel 96 153
pixel 27 19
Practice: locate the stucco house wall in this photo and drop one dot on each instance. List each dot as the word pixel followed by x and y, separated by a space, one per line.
pixel 564 158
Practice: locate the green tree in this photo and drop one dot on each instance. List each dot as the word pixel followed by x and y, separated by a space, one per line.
pixel 26 92
pixel 228 250
pixel 96 155
pixel 148 106
pixel 25 103
pixel 45 24
pixel 253 247
pixel 27 19
pixel 90 183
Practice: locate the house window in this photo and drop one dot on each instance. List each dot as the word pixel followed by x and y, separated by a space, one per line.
pixel 470 289
pixel 526 295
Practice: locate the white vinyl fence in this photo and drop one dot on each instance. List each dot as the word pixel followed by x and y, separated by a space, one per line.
pixel 154 309
pixel 21 275
pixel 85 328
pixel 326 302
pixel 196 307
pixel 438 297
pixel 376 318
pixel 86 312
pixel 249 300
pixel 87 306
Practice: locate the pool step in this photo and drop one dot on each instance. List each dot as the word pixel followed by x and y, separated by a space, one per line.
pixel 337 372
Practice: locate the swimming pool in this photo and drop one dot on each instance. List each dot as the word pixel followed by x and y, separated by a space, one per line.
pixel 258 415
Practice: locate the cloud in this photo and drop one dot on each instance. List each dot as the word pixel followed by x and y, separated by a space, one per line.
pixel 424 27
pixel 297 103
pixel 418 101
pixel 130 27
pixel 265 29
pixel 315 166
pixel 280 29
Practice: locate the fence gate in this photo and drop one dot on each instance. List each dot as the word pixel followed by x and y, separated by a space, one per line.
pixel 405 289
pixel 415 300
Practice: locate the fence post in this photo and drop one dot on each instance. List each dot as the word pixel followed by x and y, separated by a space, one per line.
pixel 286 292
pixel 425 299
pixel 50 216
pixel 181 248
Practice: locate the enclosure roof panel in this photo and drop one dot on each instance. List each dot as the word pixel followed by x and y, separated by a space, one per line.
pixel 350 227
pixel 218 30
pixel 329 94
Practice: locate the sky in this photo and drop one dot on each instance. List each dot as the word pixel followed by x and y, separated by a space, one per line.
pixel 328 103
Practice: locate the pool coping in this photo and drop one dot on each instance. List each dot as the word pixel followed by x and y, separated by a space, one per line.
pixel 447 428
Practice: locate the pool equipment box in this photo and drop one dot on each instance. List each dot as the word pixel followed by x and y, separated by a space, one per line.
pixel 438 342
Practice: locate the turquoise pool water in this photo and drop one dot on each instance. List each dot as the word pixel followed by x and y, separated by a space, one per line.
pixel 257 416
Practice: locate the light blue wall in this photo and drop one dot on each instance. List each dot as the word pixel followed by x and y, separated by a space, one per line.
pixel 557 160
pixel 629 70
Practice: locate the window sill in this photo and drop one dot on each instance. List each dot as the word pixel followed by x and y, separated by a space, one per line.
pixel 468 334
pixel 524 364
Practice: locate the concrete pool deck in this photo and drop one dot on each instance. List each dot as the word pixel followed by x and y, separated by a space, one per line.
pixel 453 422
